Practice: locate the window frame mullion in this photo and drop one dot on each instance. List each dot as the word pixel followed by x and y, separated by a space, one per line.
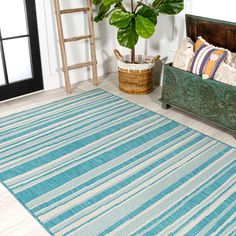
pixel 4 64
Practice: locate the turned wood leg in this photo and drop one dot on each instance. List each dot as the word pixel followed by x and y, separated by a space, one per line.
pixel 165 106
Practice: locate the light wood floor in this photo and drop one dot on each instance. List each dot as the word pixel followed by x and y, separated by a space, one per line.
pixel 14 219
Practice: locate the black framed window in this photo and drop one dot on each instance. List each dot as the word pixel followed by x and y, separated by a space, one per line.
pixel 20 64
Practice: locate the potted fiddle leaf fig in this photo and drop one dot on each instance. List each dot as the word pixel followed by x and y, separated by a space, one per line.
pixel 135 19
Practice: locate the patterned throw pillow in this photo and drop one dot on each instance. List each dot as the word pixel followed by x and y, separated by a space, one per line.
pixel 226 74
pixel 207 58
pixel 184 55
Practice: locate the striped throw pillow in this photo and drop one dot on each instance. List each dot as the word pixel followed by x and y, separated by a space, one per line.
pixel 207 58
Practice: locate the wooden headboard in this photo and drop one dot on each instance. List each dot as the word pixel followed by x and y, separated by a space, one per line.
pixel 217 32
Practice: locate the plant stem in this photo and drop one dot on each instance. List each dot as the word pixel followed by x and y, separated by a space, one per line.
pixel 138 4
pixel 133 49
pixel 133 55
pixel 132 6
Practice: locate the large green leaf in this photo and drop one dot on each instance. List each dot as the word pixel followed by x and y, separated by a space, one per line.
pixel 97 2
pixel 144 27
pixel 110 2
pixel 121 19
pixel 148 12
pixel 170 7
pixel 127 37
pixel 156 3
pixel 103 10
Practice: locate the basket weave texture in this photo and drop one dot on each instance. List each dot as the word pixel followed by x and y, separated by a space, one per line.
pixel 135 78
pixel 135 81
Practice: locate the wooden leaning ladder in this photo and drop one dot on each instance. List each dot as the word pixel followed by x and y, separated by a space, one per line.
pixel 62 41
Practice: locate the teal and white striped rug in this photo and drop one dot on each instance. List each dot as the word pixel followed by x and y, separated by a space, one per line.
pixel 96 164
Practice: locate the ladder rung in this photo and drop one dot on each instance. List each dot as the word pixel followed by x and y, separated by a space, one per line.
pixel 68 11
pixel 80 65
pixel 74 39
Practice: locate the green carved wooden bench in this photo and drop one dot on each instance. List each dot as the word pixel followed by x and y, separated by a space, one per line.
pixel 209 99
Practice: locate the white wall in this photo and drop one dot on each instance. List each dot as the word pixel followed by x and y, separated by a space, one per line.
pixel 222 10
pixel 74 25
pixel 164 42
pixel 171 29
pixel 169 34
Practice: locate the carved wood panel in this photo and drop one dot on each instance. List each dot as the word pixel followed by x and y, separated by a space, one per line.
pixel 206 98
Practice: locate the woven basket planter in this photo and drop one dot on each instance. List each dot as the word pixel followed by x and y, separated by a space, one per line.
pixel 135 78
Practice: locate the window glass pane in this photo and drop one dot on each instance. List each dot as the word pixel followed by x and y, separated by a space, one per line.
pixel 2 77
pixel 18 59
pixel 13 18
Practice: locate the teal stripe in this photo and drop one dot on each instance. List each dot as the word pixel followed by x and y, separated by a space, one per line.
pixel 207 206
pixel 228 225
pixel 88 165
pixel 64 109
pixel 154 183
pixel 197 229
pixel 96 132
pixel 21 116
pixel 165 192
pixel 193 202
pixel 118 186
pixel 75 158
pixel 113 170
pixel 175 208
pixel 77 127
pixel 223 220
pixel 61 118
pixel 68 148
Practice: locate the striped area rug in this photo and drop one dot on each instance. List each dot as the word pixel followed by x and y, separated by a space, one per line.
pixel 96 164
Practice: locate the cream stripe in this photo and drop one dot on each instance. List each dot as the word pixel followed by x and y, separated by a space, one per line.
pixel 174 192
pixel 17 117
pixel 146 185
pixel 231 229
pixel 63 138
pixel 48 115
pixel 28 135
pixel 200 58
pixel 80 135
pixel 121 160
pixel 86 118
pixel 225 223
pixel 66 187
pixel 173 226
pixel 206 212
pixel 143 187
pixel 214 222
pixel 54 165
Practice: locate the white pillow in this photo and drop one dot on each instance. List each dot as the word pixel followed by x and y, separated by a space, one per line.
pixel 184 55
pixel 226 74
pixel 231 59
